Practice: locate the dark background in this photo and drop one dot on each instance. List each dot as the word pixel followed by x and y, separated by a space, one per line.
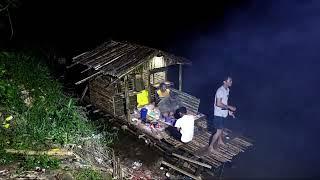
pixel 270 47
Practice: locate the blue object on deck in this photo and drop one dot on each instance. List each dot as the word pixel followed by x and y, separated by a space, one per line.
pixel 170 120
pixel 143 114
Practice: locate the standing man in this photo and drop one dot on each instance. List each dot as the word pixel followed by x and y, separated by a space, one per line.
pixel 221 111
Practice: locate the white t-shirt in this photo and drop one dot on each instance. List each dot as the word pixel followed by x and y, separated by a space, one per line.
pixel 223 93
pixel 186 123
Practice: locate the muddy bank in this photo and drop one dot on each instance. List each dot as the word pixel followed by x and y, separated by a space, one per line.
pixel 142 160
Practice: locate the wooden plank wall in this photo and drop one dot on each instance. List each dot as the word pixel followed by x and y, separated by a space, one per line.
pixel 106 97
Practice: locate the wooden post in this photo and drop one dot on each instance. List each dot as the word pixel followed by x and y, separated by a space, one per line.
pixel 149 87
pixel 126 96
pixel 180 77
pixel 84 92
pixel 166 75
pixel 114 106
pixel 153 78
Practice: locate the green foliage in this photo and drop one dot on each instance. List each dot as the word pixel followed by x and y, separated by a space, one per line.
pixel 7 158
pixel 41 116
pixel 50 117
pixel 88 174
pixel 43 162
pixel 29 162
pixel 8 92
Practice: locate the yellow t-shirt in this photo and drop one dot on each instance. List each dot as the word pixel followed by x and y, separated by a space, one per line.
pixel 143 98
pixel 163 94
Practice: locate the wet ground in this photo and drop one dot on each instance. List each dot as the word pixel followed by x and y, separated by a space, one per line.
pixel 135 153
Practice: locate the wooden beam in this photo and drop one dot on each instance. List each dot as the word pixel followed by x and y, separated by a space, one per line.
pixel 87 78
pixel 152 71
pixel 86 70
pixel 180 77
pixel 126 95
pixel 96 111
pixel 79 55
pixel 70 66
pixel 180 170
pixel 114 106
pixel 191 160
pixel 84 93
pixel 51 152
pixel 149 88
pixel 89 105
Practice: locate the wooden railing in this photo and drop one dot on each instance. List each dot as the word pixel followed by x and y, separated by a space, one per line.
pixel 190 102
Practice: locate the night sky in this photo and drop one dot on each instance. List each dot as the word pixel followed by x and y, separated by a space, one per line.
pixel 271 48
pixel 76 25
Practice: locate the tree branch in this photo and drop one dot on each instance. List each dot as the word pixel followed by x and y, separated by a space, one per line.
pixel 10 24
pixel 6 7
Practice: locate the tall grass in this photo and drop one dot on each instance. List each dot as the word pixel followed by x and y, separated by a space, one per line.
pixel 50 118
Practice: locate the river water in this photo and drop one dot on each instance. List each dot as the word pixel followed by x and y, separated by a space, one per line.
pixel 271 50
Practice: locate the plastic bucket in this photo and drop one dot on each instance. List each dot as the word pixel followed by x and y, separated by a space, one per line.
pixel 143 114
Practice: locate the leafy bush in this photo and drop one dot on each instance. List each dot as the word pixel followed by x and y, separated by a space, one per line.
pixel 43 162
pixel 88 174
pixel 50 116
pixel 7 158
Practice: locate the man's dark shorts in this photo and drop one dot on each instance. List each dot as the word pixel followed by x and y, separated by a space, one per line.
pixel 215 122
pixel 173 131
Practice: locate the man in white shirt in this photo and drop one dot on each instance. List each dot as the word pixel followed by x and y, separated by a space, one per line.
pixel 185 125
pixel 221 111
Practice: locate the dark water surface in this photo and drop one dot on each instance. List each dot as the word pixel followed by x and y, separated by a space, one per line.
pixel 271 48
pixel 272 51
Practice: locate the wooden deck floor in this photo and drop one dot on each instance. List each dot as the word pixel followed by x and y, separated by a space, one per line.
pixel 233 146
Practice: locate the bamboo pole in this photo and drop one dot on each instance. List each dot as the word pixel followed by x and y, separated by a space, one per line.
pixel 84 92
pixel 191 160
pixel 180 77
pixel 119 172
pixel 113 106
pixel 114 174
pixel 126 97
pixel 180 170
pixel 243 141
pixel 52 152
pixel 149 87
pixel 87 78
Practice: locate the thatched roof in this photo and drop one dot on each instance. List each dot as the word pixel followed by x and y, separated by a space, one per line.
pixel 119 58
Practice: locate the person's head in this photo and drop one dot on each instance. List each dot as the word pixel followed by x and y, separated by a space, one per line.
pixel 173 95
pixel 153 103
pixel 182 111
pixel 163 87
pixel 227 81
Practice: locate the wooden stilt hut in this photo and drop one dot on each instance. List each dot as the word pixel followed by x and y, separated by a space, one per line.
pixel 118 71
pixel 113 68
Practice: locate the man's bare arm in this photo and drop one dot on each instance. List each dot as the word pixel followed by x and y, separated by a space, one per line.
pixel 224 106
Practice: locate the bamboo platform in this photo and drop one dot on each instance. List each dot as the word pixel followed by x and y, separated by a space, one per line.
pixel 222 154
pixel 190 151
pixel 234 145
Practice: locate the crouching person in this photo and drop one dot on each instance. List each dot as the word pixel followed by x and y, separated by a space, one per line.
pixel 183 129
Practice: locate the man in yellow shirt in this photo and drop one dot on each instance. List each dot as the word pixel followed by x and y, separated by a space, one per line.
pixel 162 92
